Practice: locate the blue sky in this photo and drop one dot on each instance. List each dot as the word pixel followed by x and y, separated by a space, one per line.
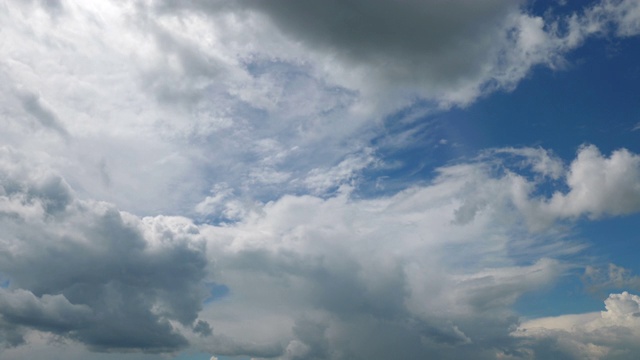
pixel 203 180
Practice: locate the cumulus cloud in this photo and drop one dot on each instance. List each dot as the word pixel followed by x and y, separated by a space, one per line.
pixel 610 334
pixel 86 271
pixel 596 186
pixel 599 186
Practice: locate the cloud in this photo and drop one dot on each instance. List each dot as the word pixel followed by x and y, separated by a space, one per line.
pixel 322 180
pixel 609 334
pixel 449 52
pixel 86 271
pixel 458 243
pixel 623 16
pixel 599 279
pixel 46 117
pixel 398 271
pixel 599 186
pixel 50 312
pixel 433 269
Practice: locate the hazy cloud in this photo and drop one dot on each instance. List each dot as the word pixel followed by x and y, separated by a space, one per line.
pixel 45 116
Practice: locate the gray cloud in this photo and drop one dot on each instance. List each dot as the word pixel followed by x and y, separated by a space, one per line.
pixel 50 312
pixel 401 40
pixel 88 272
pixel 45 116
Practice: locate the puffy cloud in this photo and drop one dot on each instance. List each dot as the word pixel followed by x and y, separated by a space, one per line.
pixel 50 312
pixel 86 271
pixel 596 185
pixel 610 334
pixel 599 186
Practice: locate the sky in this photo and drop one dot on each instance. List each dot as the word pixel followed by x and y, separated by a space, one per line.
pixel 361 179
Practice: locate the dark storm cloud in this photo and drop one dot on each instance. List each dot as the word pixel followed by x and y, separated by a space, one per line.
pixel 397 37
pixel 446 42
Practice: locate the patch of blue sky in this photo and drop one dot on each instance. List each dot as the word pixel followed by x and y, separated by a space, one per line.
pixel 614 240
pixel 217 292
pixel 611 241
pixel 591 101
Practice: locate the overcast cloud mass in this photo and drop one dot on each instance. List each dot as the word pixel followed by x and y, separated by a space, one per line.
pixel 198 180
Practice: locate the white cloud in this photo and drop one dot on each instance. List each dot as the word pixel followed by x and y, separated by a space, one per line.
pixel 610 334
pixel 539 160
pixel 345 173
pixel 599 186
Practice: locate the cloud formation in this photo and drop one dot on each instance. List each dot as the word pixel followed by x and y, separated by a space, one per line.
pixel 438 266
pixel 610 334
pixel 86 271
pixel 159 151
